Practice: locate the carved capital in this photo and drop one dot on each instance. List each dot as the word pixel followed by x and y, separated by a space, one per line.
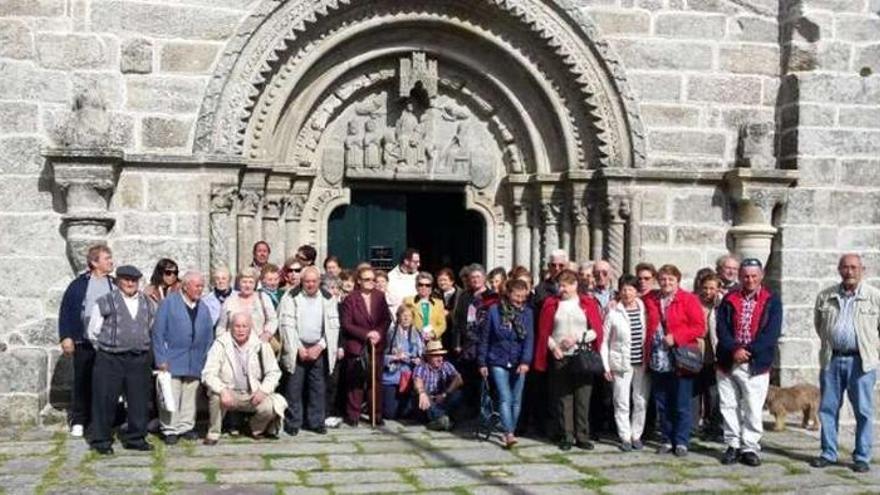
pixel 222 198
pixel 249 202
pixel 551 213
pixel 619 208
pixel 521 215
pixel 756 193
pixel 294 204
pixel 581 213
pixel 86 179
pixel 272 207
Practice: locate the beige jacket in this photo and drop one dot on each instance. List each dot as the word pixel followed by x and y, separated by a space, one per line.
pixel 288 329
pixel 218 375
pixel 867 323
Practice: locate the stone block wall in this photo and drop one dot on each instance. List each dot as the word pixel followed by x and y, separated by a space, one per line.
pixel 131 75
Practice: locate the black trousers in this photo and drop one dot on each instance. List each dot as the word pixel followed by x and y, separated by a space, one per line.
pixel 114 375
pixel 309 376
pixel 81 395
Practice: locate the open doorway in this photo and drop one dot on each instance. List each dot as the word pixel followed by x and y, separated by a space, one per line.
pixel 379 225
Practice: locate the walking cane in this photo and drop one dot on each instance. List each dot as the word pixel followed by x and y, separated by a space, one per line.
pixel 373 384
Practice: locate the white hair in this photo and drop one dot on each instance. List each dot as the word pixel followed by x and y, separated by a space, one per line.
pixel 192 276
pixel 558 255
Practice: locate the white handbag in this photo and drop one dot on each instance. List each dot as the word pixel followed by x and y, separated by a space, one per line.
pixel 166 393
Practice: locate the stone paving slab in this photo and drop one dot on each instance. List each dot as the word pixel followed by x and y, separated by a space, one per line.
pixel 476 455
pixel 531 490
pixel 352 477
pixel 378 461
pixel 513 474
pixel 295 463
pixel 257 476
pixel 238 463
pixel 227 489
pixel 375 488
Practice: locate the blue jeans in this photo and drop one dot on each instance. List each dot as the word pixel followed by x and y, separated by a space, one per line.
pixel 448 407
pixel 509 385
pixel 844 374
pixel 672 397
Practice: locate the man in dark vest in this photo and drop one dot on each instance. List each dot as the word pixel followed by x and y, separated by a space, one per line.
pixel 119 329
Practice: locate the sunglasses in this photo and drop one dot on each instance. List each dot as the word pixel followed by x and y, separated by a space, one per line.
pixel 750 262
pixel 294 270
pixel 171 272
pixel 423 285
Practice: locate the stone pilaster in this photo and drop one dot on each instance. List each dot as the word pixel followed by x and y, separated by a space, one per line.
pixel 271 226
pixel 618 214
pixel 522 233
pixel 294 204
pixel 249 205
pixel 85 181
pixel 550 216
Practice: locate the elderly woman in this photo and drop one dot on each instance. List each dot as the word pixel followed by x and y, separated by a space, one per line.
pixel 365 319
pixel 430 315
pixel 252 302
pixel 674 318
pixel 221 291
pixel 241 374
pixel 505 351
pixel 623 357
pixel 163 282
pixel 402 354
pixel 568 323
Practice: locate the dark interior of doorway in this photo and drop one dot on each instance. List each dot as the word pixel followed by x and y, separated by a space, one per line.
pixel 382 223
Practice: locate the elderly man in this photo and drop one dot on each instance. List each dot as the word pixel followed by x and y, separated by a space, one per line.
pixel 309 325
pixel 402 279
pixel 182 334
pixel 603 292
pixel 748 326
pixel 549 287
pixel 218 295
pixel 727 267
pixel 241 374
pixel 586 280
pixel 73 319
pixel 437 386
pixel 119 328
pixel 847 320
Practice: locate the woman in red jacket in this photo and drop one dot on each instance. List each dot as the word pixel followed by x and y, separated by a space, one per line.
pixel 675 319
pixel 566 321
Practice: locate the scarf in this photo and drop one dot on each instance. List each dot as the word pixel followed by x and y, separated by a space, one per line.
pixel 222 295
pixel 512 316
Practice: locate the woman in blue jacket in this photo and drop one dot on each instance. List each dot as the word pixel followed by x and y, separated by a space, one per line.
pixel 505 350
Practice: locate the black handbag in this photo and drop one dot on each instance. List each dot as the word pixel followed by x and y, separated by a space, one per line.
pixel 585 362
pixel 688 358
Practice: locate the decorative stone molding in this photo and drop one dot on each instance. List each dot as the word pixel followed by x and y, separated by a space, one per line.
pixel 560 29
pixel 755 146
pixel 619 212
pixel 756 194
pixel 85 180
pixel 223 197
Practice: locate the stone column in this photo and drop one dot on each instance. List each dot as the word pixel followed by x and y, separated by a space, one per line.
pixel 223 239
pixel 581 216
pixel 522 236
pixel 618 213
pixel 293 208
pixel 565 228
pixel 537 261
pixel 85 183
pixel 271 228
pixel 597 223
pixel 249 203
pixel 633 234
pixel 550 215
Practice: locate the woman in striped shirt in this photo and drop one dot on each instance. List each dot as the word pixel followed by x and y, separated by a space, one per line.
pixel 622 353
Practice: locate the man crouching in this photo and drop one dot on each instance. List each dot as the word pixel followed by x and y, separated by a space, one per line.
pixel 241 374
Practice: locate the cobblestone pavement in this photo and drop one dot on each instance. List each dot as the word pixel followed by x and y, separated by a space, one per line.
pixel 408 459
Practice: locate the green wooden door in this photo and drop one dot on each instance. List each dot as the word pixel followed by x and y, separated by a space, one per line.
pixel 372 228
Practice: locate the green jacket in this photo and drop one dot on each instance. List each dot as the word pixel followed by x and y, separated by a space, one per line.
pixel 867 315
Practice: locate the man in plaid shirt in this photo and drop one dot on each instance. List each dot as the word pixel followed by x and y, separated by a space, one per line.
pixel 437 385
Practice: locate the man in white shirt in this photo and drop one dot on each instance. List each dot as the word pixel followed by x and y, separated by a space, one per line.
pixel 402 279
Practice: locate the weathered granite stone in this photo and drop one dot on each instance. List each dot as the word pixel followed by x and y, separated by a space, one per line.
pixel 188 57
pixel 257 477
pixel 745 90
pixel 687 142
pixel 753 28
pixel 16 39
pixel 652 86
pixel 621 22
pixel 227 489
pixel 20 409
pixel 297 464
pixel 20 155
pixel 384 461
pixel 351 477
pixel 137 56
pixel 164 94
pixel 105 86
pixel 690 25
pixel 656 54
pixel 74 51
pixel 41 8
pixel 172 21
pixel 23 371
pixel 160 132
pixel 671 115
pixel 21 81
pixel 750 59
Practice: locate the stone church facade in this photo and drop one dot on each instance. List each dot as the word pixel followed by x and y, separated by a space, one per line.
pixel 631 130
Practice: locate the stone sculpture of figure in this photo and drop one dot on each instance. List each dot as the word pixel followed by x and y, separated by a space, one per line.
pixel 407 136
pixel 390 150
pixel 372 146
pixel 456 156
pixel 353 146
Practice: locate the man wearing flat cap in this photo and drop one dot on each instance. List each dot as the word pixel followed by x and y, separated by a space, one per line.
pixel 119 329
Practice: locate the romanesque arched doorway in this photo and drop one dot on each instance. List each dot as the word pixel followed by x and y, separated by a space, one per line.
pixel 511 102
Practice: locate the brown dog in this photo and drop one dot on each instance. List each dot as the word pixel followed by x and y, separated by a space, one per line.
pixel 782 401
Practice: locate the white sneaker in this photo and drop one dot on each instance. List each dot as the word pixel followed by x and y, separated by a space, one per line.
pixel 332 422
pixel 76 431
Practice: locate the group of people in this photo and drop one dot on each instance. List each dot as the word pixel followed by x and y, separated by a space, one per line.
pixel 294 346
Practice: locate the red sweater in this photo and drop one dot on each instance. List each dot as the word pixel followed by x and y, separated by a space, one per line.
pixel 545 327
pixel 684 319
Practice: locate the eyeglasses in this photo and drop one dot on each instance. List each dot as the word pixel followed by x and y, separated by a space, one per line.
pixel 423 285
pixel 649 277
pixel 368 280
pixel 294 270
pixel 558 265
